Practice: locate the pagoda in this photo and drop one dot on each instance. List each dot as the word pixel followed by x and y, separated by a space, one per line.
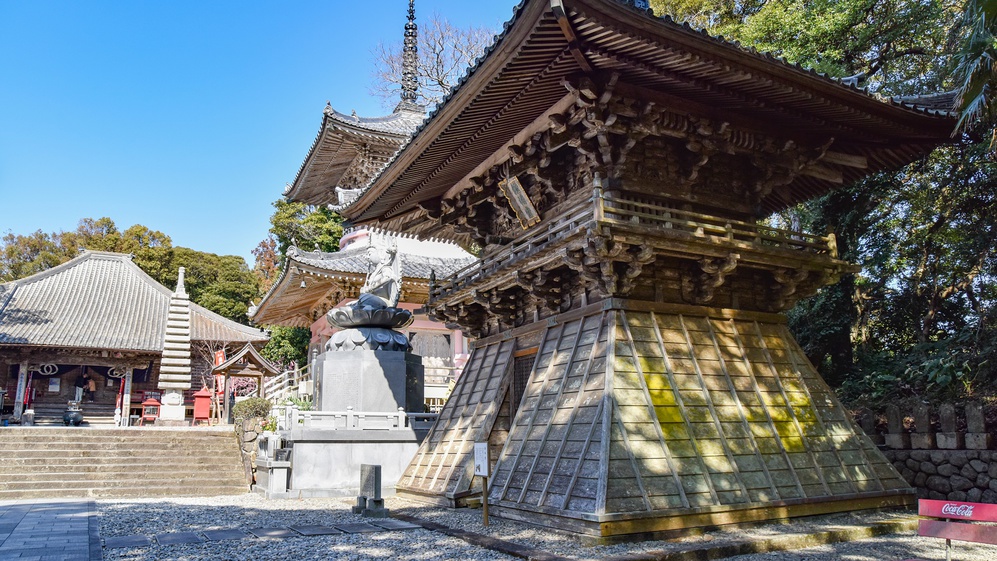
pixel 633 372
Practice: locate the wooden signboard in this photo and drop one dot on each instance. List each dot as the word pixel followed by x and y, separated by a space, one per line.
pixel 520 201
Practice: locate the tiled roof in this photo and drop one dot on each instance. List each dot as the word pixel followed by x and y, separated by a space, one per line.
pixel 355 260
pixel 101 301
pixel 338 144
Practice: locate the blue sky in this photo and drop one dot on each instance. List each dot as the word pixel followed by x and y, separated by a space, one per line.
pixel 188 117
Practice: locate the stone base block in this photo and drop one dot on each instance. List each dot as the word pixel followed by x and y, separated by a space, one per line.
pixel 327 462
pixel 899 441
pixel 950 440
pixel 373 381
pixel 272 478
pixel 979 441
pixel 922 441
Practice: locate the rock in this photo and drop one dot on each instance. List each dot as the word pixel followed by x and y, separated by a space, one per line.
pixel 989 496
pixel 919 479
pixel 947 470
pixel 974 495
pixel 920 455
pixel 907 474
pixel 993 485
pixel 992 472
pixel 939 484
pixel 937 457
pixel 957 496
pixel 968 472
pixel 979 465
pixel 913 464
pixel 928 467
pixel 937 496
pixel 958 458
pixel 900 455
pixel 983 481
pixel 960 483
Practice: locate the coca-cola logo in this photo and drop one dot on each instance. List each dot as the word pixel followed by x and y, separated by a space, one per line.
pixel 954 509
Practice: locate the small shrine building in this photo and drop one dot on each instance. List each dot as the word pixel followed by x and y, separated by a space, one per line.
pixel 632 369
pixel 99 314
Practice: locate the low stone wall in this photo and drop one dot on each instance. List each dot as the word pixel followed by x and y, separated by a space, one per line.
pixel 945 454
pixel 955 475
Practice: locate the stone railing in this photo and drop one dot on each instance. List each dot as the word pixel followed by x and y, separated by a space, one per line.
pixel 953 460
pixel 290 383
pixel 290 417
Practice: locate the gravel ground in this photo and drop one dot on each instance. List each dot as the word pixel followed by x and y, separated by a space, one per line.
pixel 155 516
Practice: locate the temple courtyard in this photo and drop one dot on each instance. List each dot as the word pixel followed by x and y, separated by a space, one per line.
pixel 249 527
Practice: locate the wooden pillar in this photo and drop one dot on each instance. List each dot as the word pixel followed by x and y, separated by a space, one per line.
pixel 22 387
pixel 126 399
pixel 225 397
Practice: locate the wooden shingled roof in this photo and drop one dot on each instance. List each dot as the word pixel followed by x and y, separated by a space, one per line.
pixel 520 78
pixel 101 300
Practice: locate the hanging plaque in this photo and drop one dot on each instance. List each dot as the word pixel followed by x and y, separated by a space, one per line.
pixel 520 201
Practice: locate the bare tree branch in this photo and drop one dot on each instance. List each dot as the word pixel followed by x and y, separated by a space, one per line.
pixel 445 54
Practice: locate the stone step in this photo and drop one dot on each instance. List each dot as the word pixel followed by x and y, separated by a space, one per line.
pixel 89 443
pixel 77 480
pixel 40 462
pixel 45 469
pixel 125 492
pixel 107 452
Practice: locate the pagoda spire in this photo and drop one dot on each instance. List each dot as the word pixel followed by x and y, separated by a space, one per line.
pixel 410 61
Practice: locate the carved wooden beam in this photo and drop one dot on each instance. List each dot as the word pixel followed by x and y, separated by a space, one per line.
pixel 701 288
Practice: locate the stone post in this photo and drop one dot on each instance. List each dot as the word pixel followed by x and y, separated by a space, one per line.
pixel 867 420
pixel 923 438
pixel 948 438
pixel 897 438
pixel 977 437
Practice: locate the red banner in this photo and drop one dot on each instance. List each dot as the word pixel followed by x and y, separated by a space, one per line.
pixel 219 357
pixel 958 510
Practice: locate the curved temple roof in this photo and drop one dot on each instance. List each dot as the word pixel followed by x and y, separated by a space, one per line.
pixel 317 280
pixel 345 144
pixel 101 300
pixel 520 78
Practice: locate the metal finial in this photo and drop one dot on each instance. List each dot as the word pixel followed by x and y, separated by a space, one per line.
pixel 410 57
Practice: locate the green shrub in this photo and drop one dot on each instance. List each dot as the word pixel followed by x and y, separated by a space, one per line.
pixel 250 408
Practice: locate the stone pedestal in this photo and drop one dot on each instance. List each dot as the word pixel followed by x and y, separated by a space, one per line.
pixel 172 412
pixel 369 381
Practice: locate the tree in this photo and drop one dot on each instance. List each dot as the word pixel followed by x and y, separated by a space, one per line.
pixel 287 346
pixel 976 68
pixel 222 284
pixel 918 319
pixel 445 52
pixel 306 227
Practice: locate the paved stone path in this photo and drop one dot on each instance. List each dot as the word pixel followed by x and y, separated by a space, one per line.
pixel 49 530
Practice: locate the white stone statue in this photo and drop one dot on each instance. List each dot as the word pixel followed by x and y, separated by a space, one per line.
pixel 384 282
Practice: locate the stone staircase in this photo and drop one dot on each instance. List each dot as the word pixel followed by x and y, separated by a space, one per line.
pixel 78 462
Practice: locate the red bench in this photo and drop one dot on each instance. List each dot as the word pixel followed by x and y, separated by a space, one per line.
pixel 957 520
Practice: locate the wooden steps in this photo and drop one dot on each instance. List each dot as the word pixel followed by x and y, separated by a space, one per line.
pixel 80 462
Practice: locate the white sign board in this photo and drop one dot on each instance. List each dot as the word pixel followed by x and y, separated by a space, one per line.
pixel 481 459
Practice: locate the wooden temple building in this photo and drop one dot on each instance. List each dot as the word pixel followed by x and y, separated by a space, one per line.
pixel 633 371
pixel 100 314
pixel 313 282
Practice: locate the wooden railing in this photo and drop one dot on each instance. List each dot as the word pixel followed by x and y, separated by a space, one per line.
pixel 621 214
pixel 627 212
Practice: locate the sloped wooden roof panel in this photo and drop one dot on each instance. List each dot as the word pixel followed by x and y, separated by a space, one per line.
pixel 102 301
pixel 519 78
